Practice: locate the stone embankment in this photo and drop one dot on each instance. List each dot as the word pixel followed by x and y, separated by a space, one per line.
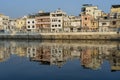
pixel 64 36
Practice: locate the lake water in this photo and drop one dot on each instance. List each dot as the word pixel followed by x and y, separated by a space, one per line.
pixel 59 60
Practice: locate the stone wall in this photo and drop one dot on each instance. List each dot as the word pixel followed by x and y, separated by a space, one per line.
pixel 65 36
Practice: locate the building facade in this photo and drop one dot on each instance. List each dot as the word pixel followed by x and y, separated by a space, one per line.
pixel 57 20
pixel 104 25
pixel 91 10
pixel 76 24
pixel 43 21
pixel 21 24
pixel 72 24
pixel 31 24
pixel 4 23
pixel 12 25
pixel 115 17
pixel 67 24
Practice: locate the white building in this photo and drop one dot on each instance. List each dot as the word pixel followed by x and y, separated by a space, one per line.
pixel 57 20
pixel 72 23
pixel 31 24
pixel 76 23
pixel 4 22
pixel 104 25
pixel 92 10
pixel 12 25
pixel 67 24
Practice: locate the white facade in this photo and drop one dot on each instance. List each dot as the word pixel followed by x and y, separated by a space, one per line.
pixel 72 23
pixel 12 24
pixel 57 20
pixel 93 11
pixel 31 24
pixel 76 23
pixel 67 24
pixel 104 25
pixel 4 22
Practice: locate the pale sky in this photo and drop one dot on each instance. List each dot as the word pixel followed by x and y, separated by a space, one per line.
pixel 19 8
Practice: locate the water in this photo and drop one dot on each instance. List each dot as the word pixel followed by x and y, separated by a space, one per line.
pixel 59 60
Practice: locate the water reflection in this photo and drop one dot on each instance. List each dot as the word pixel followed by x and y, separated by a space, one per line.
pixel 91 54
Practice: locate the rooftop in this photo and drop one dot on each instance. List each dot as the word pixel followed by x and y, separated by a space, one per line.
pixel 115 6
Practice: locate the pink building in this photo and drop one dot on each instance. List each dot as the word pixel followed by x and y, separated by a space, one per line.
pixel 86 22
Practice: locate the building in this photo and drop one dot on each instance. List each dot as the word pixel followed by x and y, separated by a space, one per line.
pixel 67 24
pixel 21 24
pixel 114 17
pixel 76 24
pixel 57 20
pixel 12 25
pixel 86 22
pixel 91 10
pixel 72 23
pixel 104 25
pixel 115 11
pixel 43 21
pixel 114 24
pixel 31 24
pixel 4 23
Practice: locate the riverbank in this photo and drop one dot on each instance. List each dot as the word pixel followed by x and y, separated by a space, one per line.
pixel 64 36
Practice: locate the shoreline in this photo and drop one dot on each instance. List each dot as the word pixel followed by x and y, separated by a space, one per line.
pixel 64 36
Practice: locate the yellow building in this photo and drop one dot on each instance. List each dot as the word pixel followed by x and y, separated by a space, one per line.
pixel 115 9
pixel 94 25
pixel 4 22
pixel 21 24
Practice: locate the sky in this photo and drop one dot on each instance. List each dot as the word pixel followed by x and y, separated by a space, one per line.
pixel 19 8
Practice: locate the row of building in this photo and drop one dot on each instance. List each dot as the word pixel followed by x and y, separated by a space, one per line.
pixel 91 18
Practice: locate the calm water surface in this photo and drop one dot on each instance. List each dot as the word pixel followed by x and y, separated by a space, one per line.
pixel 59 60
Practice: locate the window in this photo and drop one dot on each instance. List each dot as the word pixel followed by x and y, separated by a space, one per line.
pixel 33 26
pixel 32 21
pixel 52 25
pixel 59 14
pixel 59 25
pixel 114 22
pixel 55 25
pixel 59 20
pixel 104 23
pixel 28 22
pixel 33 49
pixel 53 15
pixel 28 26
pixel 85 18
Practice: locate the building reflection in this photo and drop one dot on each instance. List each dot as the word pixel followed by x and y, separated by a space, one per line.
pixel 90 54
